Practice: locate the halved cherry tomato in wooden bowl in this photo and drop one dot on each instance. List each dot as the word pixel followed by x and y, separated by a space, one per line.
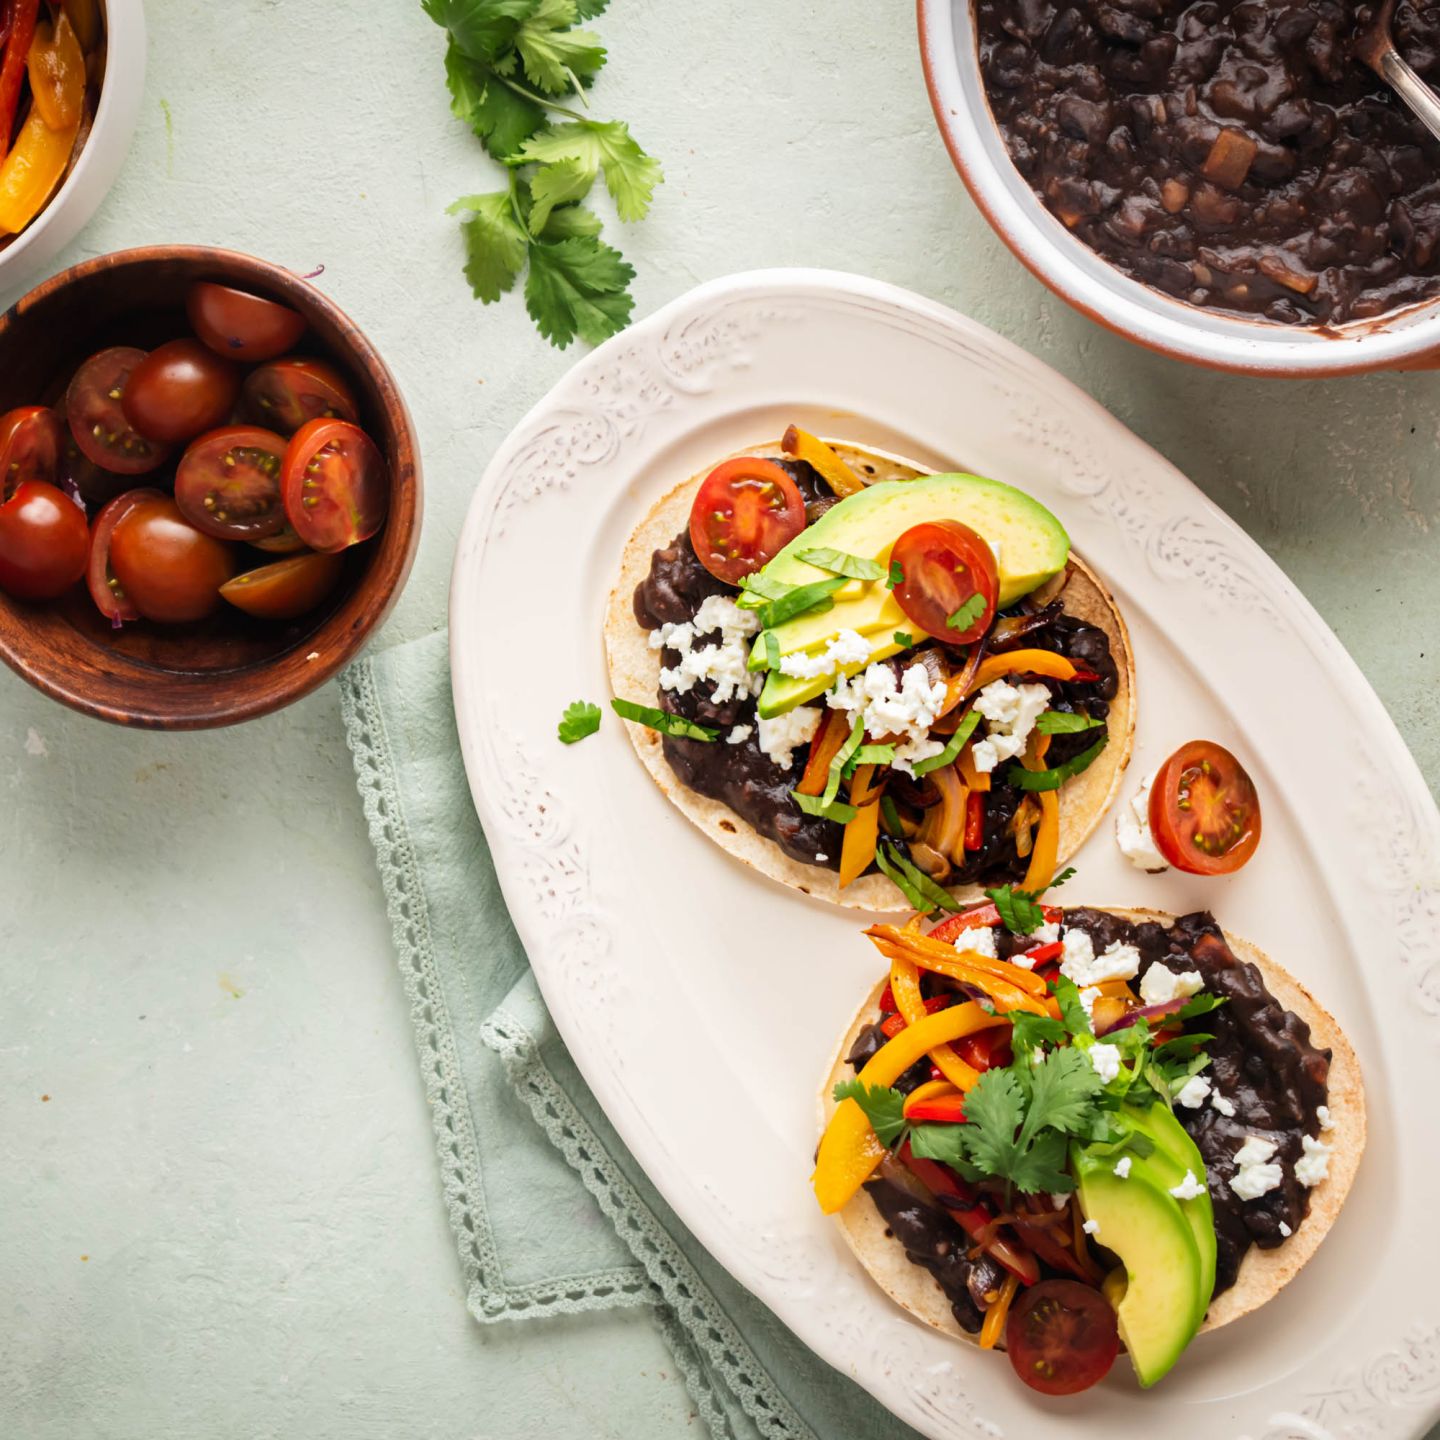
pixel 179 390
pixel 30 442
pixel 1061 1337
pixel 949 582
pixel 746 512
pixel 44 541
pixel 1204 810
pixel 95 408
pixel 286 588
pixel 289 393
pixel 228 483
pixel 105 589
pixel 171 571
pixel 336 486
pixel 282 542
pixel 241 326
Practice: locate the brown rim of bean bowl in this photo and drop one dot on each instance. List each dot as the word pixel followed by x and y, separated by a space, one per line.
pixel 1424 360
pixel 228 670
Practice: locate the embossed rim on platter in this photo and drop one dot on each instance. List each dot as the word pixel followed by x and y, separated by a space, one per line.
pixel 671 1021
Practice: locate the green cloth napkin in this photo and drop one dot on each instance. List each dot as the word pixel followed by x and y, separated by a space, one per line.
pixel 551 1214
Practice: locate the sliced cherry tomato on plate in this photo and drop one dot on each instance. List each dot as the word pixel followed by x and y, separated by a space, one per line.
pixel 44 541
pixel 746 512
pixel 228 483
pixel 336 486
pixel 105 590
pixel 241 326
pixel 95 408
pixel 179 390
pixel 948 573
pixel 1061 1337
pixel 30 442
pixel 286 588
pixel 289 393
pixel 1204 810
pixel 169 570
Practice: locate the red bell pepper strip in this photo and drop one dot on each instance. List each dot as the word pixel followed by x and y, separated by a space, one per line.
pixel 1041 953
pixel 887 1001
pixel 1052 1252
pixel 1083 676
pixel 12 68
pixel 892 1025
pixel 975 820
pixel 949 1109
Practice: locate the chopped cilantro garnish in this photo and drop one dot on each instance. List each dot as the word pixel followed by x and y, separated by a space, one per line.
pixel 890 817
pixel 1201 1004
pixel 818 806
pixel 663 721
pixel 1061 878
pixel 756 589
pixel 1033 1032
pixel 848 747
pixel 1058 722
pixel 802 600
pixel 896 576
pixel 870 755
pixel 1018 911
pixel 954 746
pixel 1024 779
pixel 967 614
pixel 903 639
pixel 856 567
pixel 772 651
pixel 917 887
pixel 884 1108
pixel 581 718
pixel 1072 1012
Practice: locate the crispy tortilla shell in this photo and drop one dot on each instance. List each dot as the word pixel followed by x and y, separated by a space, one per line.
pixel 635 675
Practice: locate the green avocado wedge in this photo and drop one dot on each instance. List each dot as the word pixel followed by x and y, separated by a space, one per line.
pixel 1144 1225
pixel 1030 543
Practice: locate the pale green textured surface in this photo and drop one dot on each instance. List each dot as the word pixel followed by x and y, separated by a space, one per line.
pixel 253 1178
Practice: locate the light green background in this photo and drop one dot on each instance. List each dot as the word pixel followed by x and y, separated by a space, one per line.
pixel 225 1219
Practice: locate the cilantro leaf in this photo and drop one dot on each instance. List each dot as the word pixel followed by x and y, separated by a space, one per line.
pixel 1033 1032
pixel 481 28
pixel 1024 779
pixel 630 174
pixel 494 243
pixel 1061 878
pixel 945 1143
pixel 967 614
pixel 557 59
pixel 896 576
pixel 1201 1004
pixel 1072 1012
pixel 1058 722
pixel 589 9
pixel 553 185
pixel 581 718
pixel 577 286
pixel 953 746
pixel 884 1108
pixel 800 600
pixel 502 119
pixel 1062 1091
pixel 1042 1165
pixel 1018 911
pixel 856 567
pixel 663 721
pixel 568 221
pixel 904 639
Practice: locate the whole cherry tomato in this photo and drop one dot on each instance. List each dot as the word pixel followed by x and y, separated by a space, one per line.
pixel 44 541
pixel 169 570
pixel 241 326
pixel 179 390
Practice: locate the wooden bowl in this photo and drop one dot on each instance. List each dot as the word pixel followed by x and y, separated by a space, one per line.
pixel 230 667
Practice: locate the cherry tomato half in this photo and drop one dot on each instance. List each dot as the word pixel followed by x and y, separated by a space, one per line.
pixel 94 405
pixel 289 393
pixel 30 441
pixel 180 390
pixel 336 487
pixel 746 512
pixel 105 590
pixel 1204 810
pixel 285 589
pixel 282 542
pixel 170 571
pixel 228 483
pixel 44 541
pixel 241 326
pixel 1061 1337
pixel 944 566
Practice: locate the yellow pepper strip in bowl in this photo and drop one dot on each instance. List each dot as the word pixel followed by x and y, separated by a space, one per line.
pixel 32 170
pixel 57 74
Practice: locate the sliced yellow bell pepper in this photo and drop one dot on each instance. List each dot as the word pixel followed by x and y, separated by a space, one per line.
pixel 998 1313
pixel 974 779
pixel 945 959
pixel 57 74
pixel 1045 850
pixel 905 989
pixel 857 849
pixel 1020 662
pixel 32 170
pixel 849 1149
pixel 814 451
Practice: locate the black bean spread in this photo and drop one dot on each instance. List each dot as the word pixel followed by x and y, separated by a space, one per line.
pixel 1231 153
pixel 746 780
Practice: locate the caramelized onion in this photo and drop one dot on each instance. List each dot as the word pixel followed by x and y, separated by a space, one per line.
pixel 944 824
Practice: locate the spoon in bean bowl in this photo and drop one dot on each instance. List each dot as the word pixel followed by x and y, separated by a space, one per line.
pixel 1375 45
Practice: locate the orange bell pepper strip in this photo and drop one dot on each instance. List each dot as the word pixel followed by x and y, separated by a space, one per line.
pixel 1006 995
pixel 1045 848
pixel 974 779
pixel 1020 662
pixel 814 451
pixel 31 171
pixel 857 849
pixel 905 988
pixel 57 74
pixel 930 1090
pixel 849 1149
pixel 833 732
pixel 994 1325
pixel 931 954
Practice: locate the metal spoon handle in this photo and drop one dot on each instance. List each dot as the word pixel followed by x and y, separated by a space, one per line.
pixel 1412 89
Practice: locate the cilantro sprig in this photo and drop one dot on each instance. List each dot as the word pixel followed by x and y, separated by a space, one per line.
pixel 1053 779
pixel 967 614
pixel 580 719
pixel 508 65
pixel 663 721
pixel 1061 722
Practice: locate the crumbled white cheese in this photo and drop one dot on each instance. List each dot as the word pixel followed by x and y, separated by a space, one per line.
pixel 1322 1114
pixel 740 734
pixel 1081 964
pixel 1160 984
pixel 782 736
pixel 1058 1201
pixel 1314 1165
pixel 1122 1167
pixel 726 662
pixel 1285 1230
pixel 1023 961
pixel 980 939
pixel 1106 1060
pixel 1255 1173
pixel 1088 996
pixel 899 711
pixel 1224 1106
pixel 1189 1188
pixel 1193 1093
pixel 1091 1227
pixel 1132 833
pixel 821 859
pixel 844 652
pixel 1046 934
pixel 1010 713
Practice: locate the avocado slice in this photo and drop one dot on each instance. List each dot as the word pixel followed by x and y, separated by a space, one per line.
pixel 1147 1229
pixel 1031 546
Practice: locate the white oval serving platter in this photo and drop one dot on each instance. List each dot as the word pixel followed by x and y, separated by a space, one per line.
pixel 702 1002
